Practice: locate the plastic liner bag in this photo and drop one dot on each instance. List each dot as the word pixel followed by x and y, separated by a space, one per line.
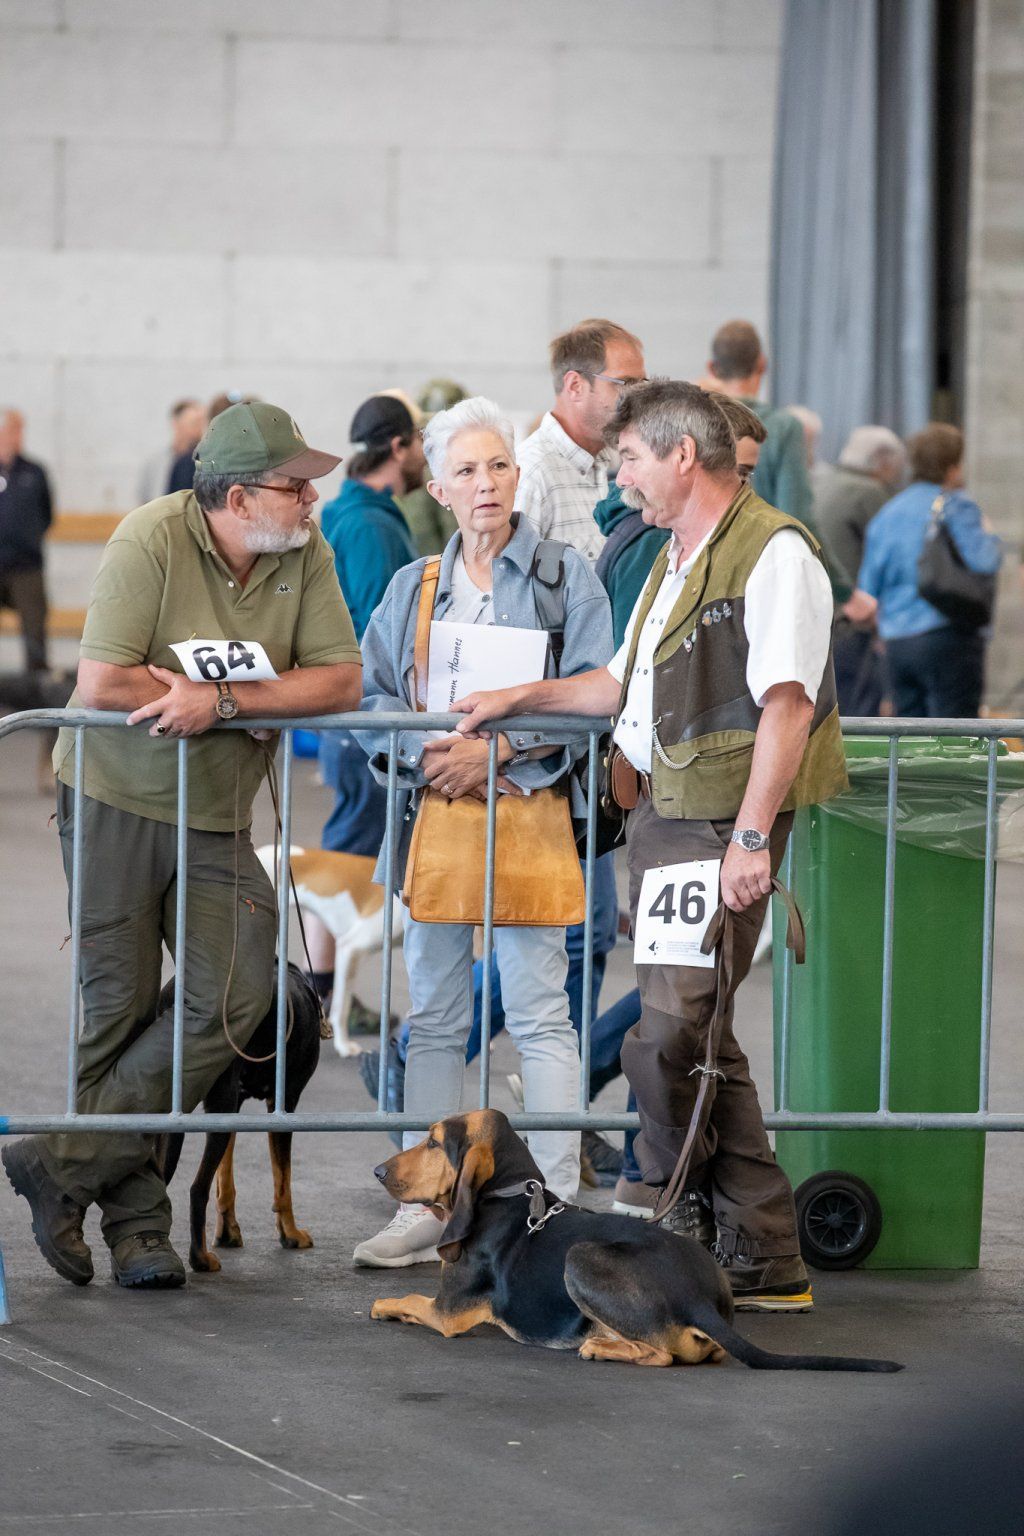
pixel 940 793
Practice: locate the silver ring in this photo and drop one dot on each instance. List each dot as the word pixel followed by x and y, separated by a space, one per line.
pixel 161 730
pixel 446 789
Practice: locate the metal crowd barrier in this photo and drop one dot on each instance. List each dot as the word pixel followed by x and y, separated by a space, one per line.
pixel 177 1119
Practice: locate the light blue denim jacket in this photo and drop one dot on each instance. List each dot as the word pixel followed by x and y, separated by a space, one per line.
pixel 389 640
pixel 892 547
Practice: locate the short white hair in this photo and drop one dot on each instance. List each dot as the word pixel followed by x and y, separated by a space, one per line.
pixel 477 413
pixel 867 448
pixel 808 419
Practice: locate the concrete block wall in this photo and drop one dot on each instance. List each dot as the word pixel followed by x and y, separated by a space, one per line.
pixel 995 323
pixel 323 198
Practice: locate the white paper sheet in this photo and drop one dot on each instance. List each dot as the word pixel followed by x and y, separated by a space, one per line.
pixel 224 661
pixel 677 902
pixel 472 658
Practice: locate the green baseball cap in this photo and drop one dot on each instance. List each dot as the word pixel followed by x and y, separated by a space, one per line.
pixel 254 437
pixel 440 395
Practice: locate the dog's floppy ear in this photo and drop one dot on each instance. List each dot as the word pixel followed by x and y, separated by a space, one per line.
pixel 475 1168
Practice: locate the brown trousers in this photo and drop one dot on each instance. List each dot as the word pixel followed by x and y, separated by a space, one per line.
pixel 25 592
pixel 733 1164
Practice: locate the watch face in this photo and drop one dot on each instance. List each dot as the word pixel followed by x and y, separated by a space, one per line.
pixel 227 706
pixel 753 842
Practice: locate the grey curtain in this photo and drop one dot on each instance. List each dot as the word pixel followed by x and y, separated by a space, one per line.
pixel 852 222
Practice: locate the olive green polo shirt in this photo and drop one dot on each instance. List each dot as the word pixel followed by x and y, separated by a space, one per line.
pixel 162 581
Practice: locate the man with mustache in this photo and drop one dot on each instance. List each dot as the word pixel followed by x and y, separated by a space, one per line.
pixel 726 721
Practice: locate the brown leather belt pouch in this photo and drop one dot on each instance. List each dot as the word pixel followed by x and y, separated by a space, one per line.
pixel 624 781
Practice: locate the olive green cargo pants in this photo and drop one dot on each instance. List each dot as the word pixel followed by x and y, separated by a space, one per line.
pixel 129 890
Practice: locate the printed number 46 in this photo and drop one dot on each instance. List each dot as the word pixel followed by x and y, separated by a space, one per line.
pixel 692 905
pixel 213 668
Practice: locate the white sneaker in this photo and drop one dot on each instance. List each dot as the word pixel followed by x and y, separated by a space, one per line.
pixel 410 1237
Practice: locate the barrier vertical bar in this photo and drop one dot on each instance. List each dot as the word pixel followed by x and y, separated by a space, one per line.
pixel 485 995
pixel 76 922
pixel 390 851
pixel 5 1315
pixel 180 906
pixel 885 1064
pixel 787 992
pixel 283 892
pixel 588 926
pixel 988 924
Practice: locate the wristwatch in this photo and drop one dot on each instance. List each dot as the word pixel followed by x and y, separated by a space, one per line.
pixel 747 838
pixel 227 704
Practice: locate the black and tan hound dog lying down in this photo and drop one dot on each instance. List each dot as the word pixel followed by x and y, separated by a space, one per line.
pixel 608 1286
pixel 250 1080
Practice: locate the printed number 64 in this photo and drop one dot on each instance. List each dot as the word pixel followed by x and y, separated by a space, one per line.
pixel 209 663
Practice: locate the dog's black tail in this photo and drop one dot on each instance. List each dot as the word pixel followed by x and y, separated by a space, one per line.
pixel 743 1350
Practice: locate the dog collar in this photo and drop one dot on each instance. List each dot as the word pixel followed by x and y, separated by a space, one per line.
pixel 540 1211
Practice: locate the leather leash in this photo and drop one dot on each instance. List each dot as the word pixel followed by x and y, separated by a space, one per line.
pixel 326 1032
pixel 721 934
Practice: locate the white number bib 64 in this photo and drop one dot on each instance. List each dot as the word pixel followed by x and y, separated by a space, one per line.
pixel 677 902
pixel 224 661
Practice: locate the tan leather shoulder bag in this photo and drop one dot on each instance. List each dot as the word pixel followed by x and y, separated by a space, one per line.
pixel 537 877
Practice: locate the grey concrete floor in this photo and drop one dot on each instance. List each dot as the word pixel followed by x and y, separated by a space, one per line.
pixel 263 1399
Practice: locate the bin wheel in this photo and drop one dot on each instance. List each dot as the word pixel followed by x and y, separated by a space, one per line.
pixel 839 1220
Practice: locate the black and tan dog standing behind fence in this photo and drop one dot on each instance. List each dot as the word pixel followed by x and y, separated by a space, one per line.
pixel 551 1274
pixel 251 1076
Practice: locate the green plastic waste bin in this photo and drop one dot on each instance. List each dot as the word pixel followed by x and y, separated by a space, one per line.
pixel 892 1199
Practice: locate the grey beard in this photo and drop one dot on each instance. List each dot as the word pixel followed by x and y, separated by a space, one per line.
pixel 635 500
pixel 264 537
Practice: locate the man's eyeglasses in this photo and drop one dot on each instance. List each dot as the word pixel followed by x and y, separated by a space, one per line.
pixel 298 491
pixel 610 378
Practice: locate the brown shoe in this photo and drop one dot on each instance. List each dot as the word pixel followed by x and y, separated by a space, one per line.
pixel 635 1198
pixel 56 1218
pixel 777 1284
pixel 146 1261
pixel 599 1161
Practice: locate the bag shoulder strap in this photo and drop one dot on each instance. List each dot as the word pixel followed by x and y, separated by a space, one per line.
pixel 547 572
pixel 424 614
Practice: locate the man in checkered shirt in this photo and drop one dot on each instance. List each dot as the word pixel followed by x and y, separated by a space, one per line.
pixel 565 465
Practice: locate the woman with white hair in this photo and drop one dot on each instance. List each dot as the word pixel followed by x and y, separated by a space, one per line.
pixel 486 577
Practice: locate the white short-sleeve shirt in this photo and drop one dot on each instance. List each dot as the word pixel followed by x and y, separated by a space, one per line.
pixel 787 616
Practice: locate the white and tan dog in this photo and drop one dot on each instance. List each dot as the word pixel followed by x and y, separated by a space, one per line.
pixel 338 888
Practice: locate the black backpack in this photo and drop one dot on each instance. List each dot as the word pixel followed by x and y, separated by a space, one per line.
pixel 548 576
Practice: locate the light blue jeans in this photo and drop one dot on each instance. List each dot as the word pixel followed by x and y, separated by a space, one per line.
pixel 533 963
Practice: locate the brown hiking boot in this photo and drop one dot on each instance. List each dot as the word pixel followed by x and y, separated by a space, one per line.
pixel 146 1261
pixel 56 1218
pixel 776 1284
pixel 692 1218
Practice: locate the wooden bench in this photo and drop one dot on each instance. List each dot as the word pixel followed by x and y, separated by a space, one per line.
pixel 68 528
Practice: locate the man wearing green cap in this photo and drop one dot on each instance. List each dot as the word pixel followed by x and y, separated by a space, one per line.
pixel 196 593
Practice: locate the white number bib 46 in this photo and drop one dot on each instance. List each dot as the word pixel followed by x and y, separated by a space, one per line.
pixel 224 661
pixel 677 902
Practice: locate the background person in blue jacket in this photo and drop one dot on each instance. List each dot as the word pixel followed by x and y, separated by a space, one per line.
pixel 936 668
pixel 371 541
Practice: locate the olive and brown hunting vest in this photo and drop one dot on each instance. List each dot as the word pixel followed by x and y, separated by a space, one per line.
pixel 705 717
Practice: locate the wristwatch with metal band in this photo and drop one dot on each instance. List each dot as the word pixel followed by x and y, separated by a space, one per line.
pixel 227 704
pixel 747 838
